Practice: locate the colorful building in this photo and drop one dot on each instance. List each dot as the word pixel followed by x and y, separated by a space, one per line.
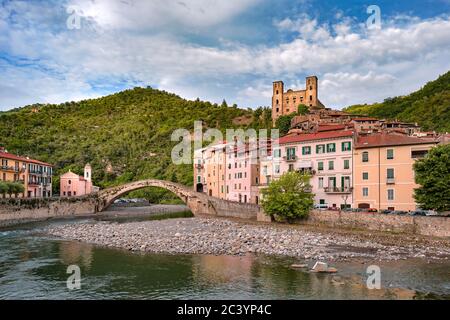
pixel 327 156
pixel 383 170
pixel 36 176
pixel 73 185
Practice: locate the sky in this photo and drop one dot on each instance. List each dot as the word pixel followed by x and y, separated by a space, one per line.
pixel 53 51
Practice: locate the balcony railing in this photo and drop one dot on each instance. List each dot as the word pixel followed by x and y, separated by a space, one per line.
pixel 390 180
pixel 290 158
pixel 198 166
pixel 335 190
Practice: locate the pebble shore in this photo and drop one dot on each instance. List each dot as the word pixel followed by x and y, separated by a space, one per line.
pixel 229 237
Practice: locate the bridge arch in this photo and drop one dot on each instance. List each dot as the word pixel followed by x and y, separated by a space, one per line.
pixel 197 202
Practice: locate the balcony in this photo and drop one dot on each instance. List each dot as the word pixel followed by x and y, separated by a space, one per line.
pixel 199 166
pixel 336 190
pixel 390 181
pixel 290 159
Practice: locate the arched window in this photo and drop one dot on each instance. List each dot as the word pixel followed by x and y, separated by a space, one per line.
pixel 70 182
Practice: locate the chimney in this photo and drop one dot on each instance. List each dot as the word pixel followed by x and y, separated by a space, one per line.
pixel 2 149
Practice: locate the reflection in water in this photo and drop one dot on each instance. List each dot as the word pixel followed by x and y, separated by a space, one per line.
pixel 34 267
pixel 76 253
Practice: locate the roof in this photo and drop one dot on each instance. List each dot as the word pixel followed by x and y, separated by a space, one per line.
pixel 365 119
pixel 332 127
pixel 315 136
pixel 10 156
pixel 382 140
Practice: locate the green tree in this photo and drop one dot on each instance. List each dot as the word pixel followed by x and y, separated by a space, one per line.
pixel 3 189
pixel 302 110
pixel 289 197
pixel 433 176
pixel 283 123
pixel 17 188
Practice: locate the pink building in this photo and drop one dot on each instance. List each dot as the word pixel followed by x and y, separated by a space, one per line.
pixel 328 157
pixel 73 185
pixel 242 174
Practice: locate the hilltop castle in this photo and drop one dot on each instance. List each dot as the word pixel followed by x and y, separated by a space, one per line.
pixel 284 103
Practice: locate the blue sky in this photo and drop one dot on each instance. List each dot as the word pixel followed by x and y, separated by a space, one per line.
pixel 216 49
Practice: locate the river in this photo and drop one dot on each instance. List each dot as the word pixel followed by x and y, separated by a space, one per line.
pixel 33 266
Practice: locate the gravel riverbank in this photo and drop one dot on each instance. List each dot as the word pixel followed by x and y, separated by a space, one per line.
pixel 230 237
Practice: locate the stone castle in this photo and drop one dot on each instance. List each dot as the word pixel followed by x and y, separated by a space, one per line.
pixel 285 103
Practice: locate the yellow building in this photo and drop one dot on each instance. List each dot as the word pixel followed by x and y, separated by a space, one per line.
pixel 287 102
pixel 36 176
pixel 383 170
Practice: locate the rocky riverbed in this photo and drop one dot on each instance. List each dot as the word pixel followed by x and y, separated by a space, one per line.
pixel 230 237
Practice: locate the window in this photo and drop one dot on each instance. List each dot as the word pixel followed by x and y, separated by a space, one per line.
pixel 390 174
pixel 346 146
pixel 365 176
pixel 320 183
pixel 306 150
pixel 290 154
pixel 390 193
pixel 332 182
pixel 199 179
pixel 320 148
pixel 418 154
pixel 320 166
pixel 330 165
pixel 277 153
pixel 365 157
pixel 331 147
pixel 365 192
pixel 346 164
pixel 277 168
pixel 291 167
pixel 390 154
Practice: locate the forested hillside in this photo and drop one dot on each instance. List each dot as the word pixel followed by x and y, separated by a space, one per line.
pixel 128 133
pixel 429 106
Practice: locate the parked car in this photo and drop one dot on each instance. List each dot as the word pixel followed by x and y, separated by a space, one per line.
pixel 400 213
pixel 372 210
pixel 334 208
pixel 386 212
pixel 421 213
pixel 321 206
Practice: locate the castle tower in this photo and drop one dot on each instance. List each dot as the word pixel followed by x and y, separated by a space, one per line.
pixel 277 100
pixel 312 92
pixel 87 172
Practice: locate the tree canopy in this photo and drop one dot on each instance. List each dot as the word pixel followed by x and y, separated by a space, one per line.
pixel 289 197
pixel 433 176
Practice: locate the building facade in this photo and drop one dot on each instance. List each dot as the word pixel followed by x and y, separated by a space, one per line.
pixel 327 156
pixel 383 170
pixel 287 102
pixel 36 176
pixel 73 185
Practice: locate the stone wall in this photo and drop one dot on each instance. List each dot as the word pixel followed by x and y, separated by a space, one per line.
pixel 224 208
pixel 427 226
pixel 15 211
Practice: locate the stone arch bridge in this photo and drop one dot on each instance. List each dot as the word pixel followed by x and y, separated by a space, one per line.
pixel 198 203
pixel 14 211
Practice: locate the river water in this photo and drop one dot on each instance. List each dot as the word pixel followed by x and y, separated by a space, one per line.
pixel 33 266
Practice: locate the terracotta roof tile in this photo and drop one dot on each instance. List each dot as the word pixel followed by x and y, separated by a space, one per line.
pixel 380 140
pixel 315 136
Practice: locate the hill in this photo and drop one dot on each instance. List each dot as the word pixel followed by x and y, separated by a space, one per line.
pixel 124 136
pixel 429 106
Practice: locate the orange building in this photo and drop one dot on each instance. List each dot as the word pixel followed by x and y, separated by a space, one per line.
pixel 36 176
pixel 383 171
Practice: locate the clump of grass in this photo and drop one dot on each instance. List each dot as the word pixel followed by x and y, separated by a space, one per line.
pixel 173 215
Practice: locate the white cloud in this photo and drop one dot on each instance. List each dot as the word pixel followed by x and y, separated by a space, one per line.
pixel 353 64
